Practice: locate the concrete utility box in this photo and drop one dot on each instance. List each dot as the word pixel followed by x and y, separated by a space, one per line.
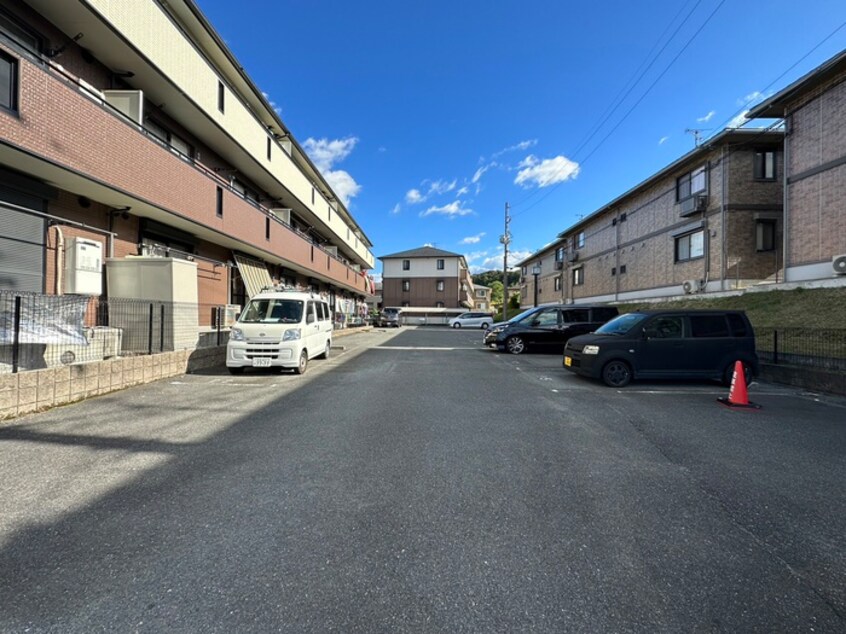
pixel 170 284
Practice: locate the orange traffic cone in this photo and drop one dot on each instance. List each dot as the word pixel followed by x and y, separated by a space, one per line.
pixel 738 396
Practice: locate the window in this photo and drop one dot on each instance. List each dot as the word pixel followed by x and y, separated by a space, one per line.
pixel 765 235
pixel 440 265
pixel 613 271
pixel 764 165
pixel 524 271
pixel 737 325
pixel 559 254
pixel 406 265
pixel 622 269
pixel 269 153
pixel 557 283
pixel 8 82
pixel 219 201
pixel 665 328
pixel 547 318
pixel 576 316
pixel 176 143
pixel 267 228
pixel 480 293
pixel 20 34
pixel 708 326
pixel 690 184
pixel 439 304
pixel 439 286
pixel 579 240
pixel 406 286
pixel 690 246
pixel 221 96
pixel 578 276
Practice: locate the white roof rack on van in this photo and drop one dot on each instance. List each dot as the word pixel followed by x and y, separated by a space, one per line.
pixel 284 288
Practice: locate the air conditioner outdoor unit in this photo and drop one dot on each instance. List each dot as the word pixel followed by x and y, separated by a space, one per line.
pixel 281 214
pixel 838 264
pixel 694 204
pixel 692 286
pixel 103 343
pixel 129 103
pixel 559 265
pixel 230 315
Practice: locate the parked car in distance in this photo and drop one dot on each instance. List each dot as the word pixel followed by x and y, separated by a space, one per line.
pixel 472 320
pixel 390 317
pixel 282 329
pixel 680 344
pixel 547 327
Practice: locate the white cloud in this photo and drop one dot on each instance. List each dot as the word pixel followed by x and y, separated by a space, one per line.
pixel 413 196
pixel 663 140
pixel 546 172
pixel 473 239
pixel 481 171
pixel 462 191
pixel 452 210
pixel 739 120
pixel 491 260
pixel 396 209
pixel 325 153
pixel 522 145
pixel 342 184
pixel 707 117
pixel 751 97
pixel 441 187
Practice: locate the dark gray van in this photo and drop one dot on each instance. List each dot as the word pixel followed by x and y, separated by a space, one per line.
pixel 547 327
pixel 682 344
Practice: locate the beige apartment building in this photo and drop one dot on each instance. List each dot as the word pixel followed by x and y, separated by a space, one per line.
pixel 427 278
pixel 814 179
pixel 130 127
pixel 711 221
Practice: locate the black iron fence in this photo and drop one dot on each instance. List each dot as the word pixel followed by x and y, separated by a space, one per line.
pixel 43 331
pixel 820 348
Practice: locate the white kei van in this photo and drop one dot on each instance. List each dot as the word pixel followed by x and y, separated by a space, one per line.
pixel 280 329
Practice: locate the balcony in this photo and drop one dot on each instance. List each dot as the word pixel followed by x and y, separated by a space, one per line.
pixel 68 137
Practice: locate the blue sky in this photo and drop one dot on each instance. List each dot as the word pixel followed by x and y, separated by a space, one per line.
pixel 429 116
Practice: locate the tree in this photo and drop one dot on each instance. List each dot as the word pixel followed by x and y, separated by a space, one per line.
pixel 489 277
pixel 496 293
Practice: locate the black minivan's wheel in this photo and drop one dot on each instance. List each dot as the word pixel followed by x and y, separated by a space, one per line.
pixel 616 373
pixel 303 363
pixel 729 373
pixel 515 345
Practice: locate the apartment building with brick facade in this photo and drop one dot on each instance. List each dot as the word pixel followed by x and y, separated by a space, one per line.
pixel 133 126
pixel 426 278
pixel 710 221
pixel 814 112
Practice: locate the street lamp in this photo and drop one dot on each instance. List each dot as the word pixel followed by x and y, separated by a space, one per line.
pixel 536 271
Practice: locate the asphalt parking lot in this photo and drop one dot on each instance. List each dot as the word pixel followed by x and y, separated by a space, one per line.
pixel 416 481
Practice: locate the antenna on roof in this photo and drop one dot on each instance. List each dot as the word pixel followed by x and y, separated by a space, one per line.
pixel 697 134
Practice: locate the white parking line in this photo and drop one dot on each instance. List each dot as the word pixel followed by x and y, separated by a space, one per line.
pixel 419 348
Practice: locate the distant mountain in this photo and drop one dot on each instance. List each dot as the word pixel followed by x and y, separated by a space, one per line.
pixel 487 277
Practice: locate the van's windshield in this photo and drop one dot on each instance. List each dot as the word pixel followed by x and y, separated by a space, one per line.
pixel 621 325
pixel 272 311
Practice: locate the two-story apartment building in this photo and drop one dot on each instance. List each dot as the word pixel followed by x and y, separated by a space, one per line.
pixel 814 112
pixel 132 126
pixel 482 298
pixel 710 221
pixel 426 278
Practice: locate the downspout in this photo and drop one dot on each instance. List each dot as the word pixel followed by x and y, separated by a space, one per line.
pixel 706 235
pixel 785 240
pixel 617 260
pixel 723 219
pixel 60 259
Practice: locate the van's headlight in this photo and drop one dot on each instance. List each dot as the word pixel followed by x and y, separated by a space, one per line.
pixel 590 350
pixel 292 334
pixel 236 334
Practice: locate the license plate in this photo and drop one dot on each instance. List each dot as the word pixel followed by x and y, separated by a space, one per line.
pixel 261 363
pixel 568 361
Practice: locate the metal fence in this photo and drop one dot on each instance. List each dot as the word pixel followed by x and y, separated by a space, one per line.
pixel 44 331
pixel 821 348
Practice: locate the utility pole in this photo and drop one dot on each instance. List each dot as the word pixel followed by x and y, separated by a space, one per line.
pixel 505 239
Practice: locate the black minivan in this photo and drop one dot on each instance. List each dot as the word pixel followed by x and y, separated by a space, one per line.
pixel 683 344
pixel 547 327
